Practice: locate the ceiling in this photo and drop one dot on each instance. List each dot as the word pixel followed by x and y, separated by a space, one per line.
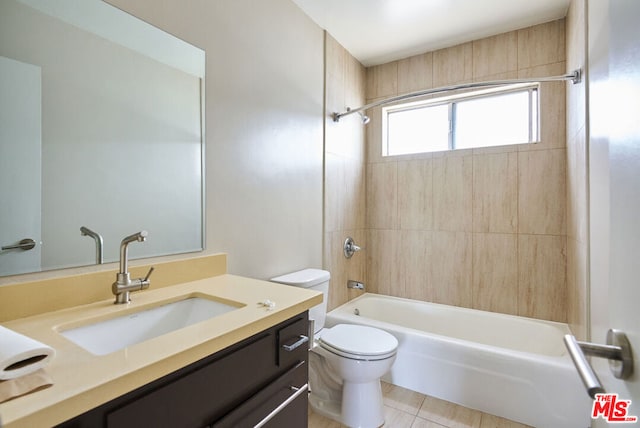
pixel 379 31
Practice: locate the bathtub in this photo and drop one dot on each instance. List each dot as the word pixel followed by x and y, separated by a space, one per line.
pixel 508 366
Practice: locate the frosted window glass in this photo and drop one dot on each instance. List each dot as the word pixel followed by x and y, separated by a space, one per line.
pixel 418 130
pixel 492 121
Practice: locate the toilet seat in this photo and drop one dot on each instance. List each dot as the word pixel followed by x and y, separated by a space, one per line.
pixel 358 342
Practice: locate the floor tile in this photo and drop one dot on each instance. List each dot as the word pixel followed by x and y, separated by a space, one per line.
pixel 449 414
pixel 401 398
pixel 394 418
pixel 402 405
pixel 423 423
pixel 491 421
pixel 318 421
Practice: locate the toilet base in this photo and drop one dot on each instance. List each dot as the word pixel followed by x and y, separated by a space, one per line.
pixel 328 409
pixel 362 404
pixel 361 407
pixel 354 404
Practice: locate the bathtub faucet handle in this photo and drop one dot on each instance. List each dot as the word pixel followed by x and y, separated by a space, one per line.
pixel 350 247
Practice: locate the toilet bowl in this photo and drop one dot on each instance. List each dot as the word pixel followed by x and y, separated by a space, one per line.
pixel 345 361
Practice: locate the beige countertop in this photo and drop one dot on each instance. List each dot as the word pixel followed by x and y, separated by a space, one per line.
pixel 83 381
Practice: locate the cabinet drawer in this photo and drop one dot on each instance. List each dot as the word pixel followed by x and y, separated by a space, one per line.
pixel 283 403
pixel 191 400
pixel 293 343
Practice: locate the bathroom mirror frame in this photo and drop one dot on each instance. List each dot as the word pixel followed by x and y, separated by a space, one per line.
pixel 131 158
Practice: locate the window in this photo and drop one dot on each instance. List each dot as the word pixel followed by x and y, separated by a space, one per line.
pixel 494 117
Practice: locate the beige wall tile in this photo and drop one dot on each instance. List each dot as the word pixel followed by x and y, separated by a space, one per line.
pixel 541 192
pixel 542 284
pixel 576 59
pixel 383 271
pixel 382 80
pixel 582 182
pixel 573 305
pixel 353 214
pixel 335 56
pixel 373 132
pixel 382 195
pixel 497 54
pixel 577 208
pixel 453 65
pixel 495 272
pixel 335 74
pixel 416 264
pixel 452 193
pixel 415 73
pixel 451 261
pixel 356 80
pixel 578 314
pixel 495 193
pixel 334 186
pixel 333 263
pixel 498 76
pixel 415 194
pixel 574 183
pixel 541 44
pixel 341 268
pixel 344 173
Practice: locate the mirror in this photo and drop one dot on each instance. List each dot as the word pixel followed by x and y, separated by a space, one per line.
pixel 101 126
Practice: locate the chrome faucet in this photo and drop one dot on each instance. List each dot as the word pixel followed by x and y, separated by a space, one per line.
pixel 124 284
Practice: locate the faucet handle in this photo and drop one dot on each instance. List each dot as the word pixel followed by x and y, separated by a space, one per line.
pixel 146 278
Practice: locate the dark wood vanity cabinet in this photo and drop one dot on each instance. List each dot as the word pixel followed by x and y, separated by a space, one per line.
pixel 239 386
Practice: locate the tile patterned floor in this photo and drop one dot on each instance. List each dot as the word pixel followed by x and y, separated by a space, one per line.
pixel 409 409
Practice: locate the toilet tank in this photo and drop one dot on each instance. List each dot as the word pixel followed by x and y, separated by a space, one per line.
pixel 313 279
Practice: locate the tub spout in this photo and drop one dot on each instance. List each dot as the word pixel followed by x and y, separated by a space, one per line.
pixel 355 284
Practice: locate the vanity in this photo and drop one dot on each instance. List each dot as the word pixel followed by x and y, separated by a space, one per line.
pixel 232 370
pixel 240 386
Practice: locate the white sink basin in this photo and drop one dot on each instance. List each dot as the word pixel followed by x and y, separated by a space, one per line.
pixel 104 337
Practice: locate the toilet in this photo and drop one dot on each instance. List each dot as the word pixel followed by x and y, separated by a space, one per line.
pixel 346 361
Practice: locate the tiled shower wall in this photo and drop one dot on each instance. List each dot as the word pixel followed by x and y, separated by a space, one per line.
pixel 478 228
pixel 577 173
pixel 344 171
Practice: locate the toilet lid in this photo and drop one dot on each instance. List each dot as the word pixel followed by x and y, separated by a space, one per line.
pixel 359 340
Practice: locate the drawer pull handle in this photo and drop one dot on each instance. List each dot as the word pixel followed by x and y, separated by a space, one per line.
pixel 284 404
pixel 301 341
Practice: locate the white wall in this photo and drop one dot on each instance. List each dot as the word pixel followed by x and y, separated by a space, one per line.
pixel 264 114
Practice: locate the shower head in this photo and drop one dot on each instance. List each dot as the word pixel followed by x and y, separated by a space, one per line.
pixel 363 117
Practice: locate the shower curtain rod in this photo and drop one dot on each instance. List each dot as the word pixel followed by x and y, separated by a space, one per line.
pixel 575 77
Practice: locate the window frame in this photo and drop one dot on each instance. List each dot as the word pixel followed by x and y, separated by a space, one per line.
pixel 533 90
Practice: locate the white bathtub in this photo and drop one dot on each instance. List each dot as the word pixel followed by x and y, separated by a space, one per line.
pixel 508 366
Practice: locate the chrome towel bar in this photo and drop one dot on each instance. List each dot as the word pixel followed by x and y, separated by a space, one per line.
pixel 617 351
